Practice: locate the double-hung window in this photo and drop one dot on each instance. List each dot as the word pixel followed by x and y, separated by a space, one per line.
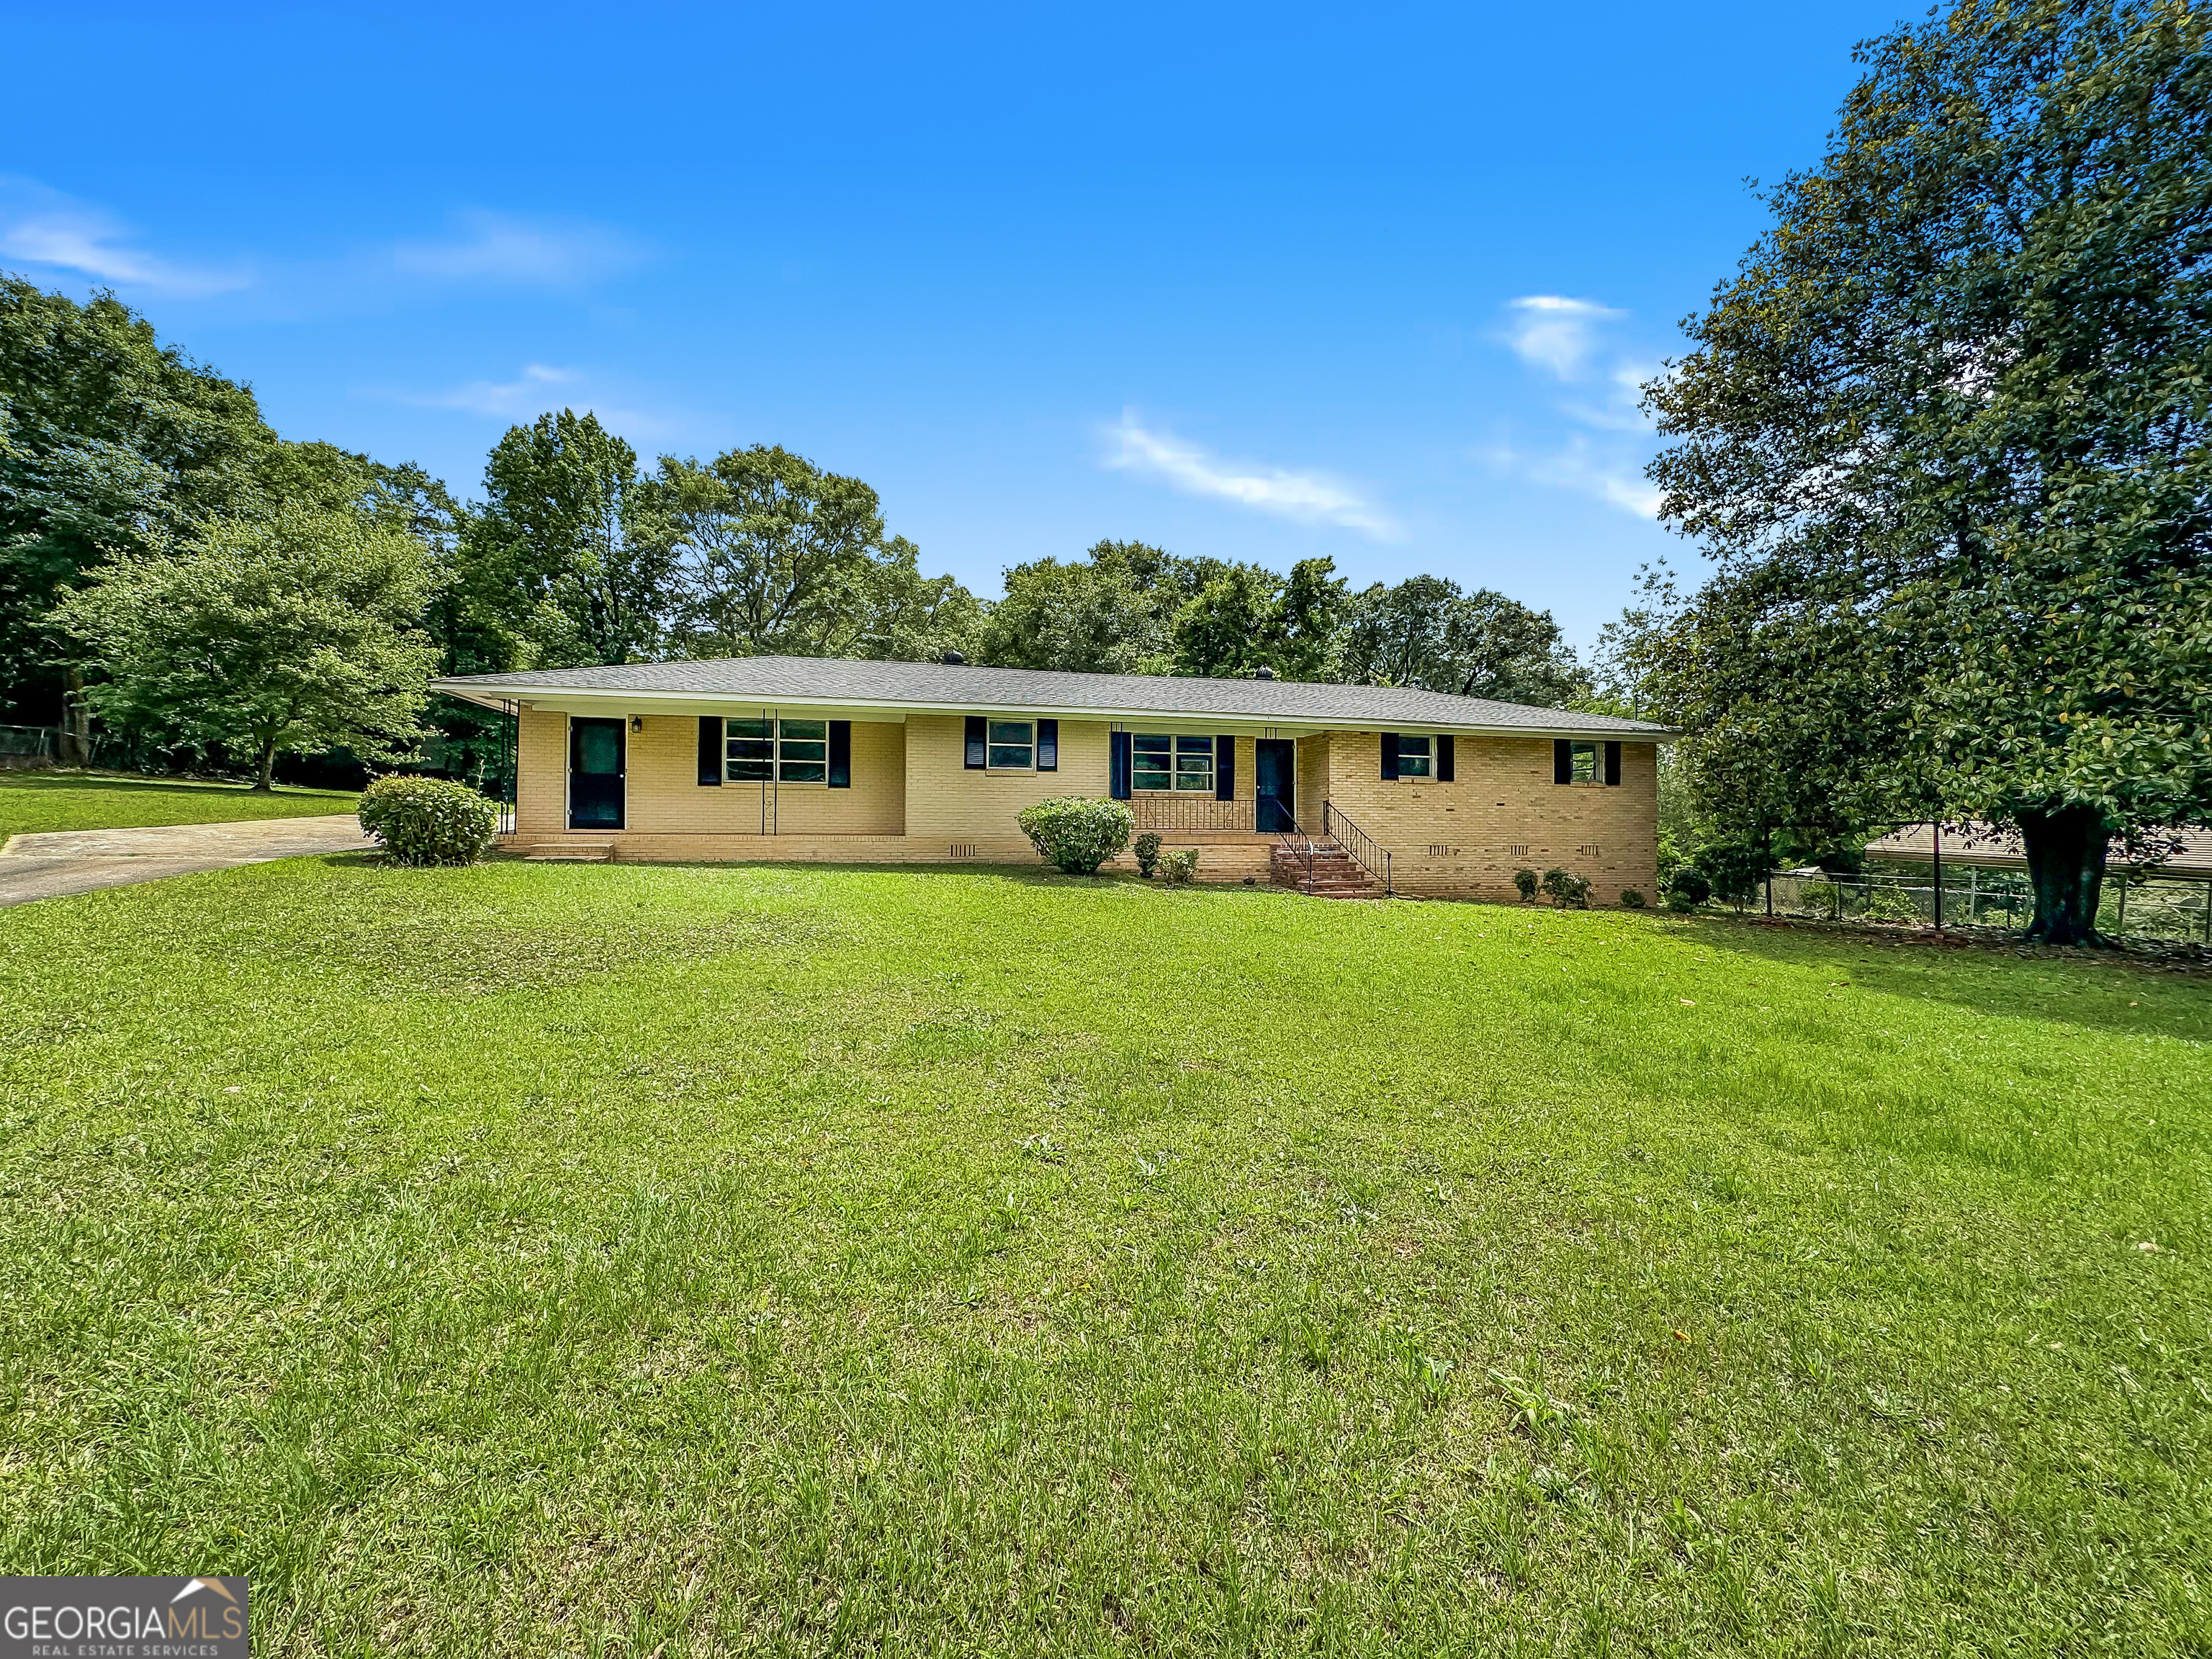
pixel 786 751
pixel 1416 756
pixel 1013 746
pixel 1581 762
pixel 1182 765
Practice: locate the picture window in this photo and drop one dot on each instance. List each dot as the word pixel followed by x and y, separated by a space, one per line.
pixel 1184 765
pixel 786 751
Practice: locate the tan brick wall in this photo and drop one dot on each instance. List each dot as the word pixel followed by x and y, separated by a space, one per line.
pixel 946 802
pixel 1501 812
pixel 664 796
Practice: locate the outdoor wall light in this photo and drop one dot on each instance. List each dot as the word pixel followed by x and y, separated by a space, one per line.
pixel 637 723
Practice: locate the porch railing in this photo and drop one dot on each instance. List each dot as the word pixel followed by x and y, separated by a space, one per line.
pixel 1365 851
pixel 1190 812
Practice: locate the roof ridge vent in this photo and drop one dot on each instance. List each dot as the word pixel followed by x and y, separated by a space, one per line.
pixel 1263 672
pixel 952 659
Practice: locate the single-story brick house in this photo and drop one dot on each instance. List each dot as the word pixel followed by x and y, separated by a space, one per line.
pixel 1333 788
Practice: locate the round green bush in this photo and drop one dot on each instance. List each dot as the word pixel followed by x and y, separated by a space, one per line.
pixel 1524 882
pixel 1179 866
pixel 1077 833
pixel 1631 899
pixel 427 820
pixel 1688 888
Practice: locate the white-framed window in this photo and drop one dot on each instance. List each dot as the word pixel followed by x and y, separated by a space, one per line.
pixel 1581 765
pixel 788 751
pixel 1417 756
pixel 1013 746
pixel 1182 764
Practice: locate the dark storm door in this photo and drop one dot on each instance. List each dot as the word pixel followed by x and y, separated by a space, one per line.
pixel 1275 788
pixel 595 774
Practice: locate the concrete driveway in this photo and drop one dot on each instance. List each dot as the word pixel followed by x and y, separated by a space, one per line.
pixel 59 862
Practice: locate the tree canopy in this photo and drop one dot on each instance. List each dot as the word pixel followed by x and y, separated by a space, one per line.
pixel 292 630
pixel 1944 434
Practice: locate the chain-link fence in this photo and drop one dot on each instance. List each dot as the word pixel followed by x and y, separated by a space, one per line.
pixel 2142 906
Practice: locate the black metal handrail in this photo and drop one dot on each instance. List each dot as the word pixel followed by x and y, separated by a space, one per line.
pixel 1300 845
pixel 1356 842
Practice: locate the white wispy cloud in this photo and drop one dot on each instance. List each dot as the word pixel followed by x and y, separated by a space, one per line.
pixel 536 389
pixel 1580 467
pixel 1557 334
pixel 40 226
pixel 502 249
pixel 1603 454
pixel 1308 497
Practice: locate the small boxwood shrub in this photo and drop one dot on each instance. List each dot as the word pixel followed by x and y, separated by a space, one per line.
pixel 1147 849
pixel 1565 889
pixel 1077 833
pixel 427 820
pixel 1180 866
pixel 1631 899
pixel 1524 882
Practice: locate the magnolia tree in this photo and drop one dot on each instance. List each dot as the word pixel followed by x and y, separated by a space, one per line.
pixel 293 631
pixel 1946 435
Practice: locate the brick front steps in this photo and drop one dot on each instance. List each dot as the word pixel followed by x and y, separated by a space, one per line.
pixel 1335 875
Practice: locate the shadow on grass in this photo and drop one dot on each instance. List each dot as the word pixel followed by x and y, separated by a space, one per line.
pixel 2120 993
pixel 134 783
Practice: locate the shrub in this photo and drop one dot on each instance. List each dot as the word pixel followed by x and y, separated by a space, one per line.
pixel 1631 899
pixel 1819 898
pixel 1180 866
pixel 1688 888
pixel 427 820
pixel 1564 888
pixel 1147 848
pixel 1524 882
pixel 1076 834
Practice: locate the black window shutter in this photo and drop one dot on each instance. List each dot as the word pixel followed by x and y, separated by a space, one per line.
pixel 710 748
pixel 841 754
pixel 1225 768
pixel 1047 749
pixel 1563 761
pixel 978 745
pixel 1444 759
pixel 1612 762
pixel 1117 768
pixel 1389 754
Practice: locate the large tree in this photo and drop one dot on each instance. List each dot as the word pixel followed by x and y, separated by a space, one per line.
pixel 293 631
pixel 780 556
pixel 1946 435
pixel 573 558
pixel 1426 632
pixel 1246 617
pixel 1110 612
pixel 111 444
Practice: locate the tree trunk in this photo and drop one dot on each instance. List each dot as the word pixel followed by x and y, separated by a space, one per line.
pixel 263 785
pixel 2066 867
pixel 76 744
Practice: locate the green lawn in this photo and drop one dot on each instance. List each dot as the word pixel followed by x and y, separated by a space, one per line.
pixel 31 801
pixel 668 1261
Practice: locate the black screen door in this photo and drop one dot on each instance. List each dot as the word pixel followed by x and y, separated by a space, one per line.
pixel 1275 787
pixel 595 775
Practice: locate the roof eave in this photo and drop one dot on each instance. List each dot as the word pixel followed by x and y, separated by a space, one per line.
pixel 493 697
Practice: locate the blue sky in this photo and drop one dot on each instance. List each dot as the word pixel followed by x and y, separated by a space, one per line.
pixel 1258 281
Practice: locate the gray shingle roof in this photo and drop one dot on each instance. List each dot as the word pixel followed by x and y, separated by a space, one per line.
pixel 948 685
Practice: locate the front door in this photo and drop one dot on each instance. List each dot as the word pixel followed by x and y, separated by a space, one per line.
pixel 595 774
pixel 1274 773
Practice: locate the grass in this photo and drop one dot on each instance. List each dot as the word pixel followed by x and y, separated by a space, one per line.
pixel 668 1261
pixel 34 801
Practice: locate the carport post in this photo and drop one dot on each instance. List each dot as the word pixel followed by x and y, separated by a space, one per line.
pixel 1936 832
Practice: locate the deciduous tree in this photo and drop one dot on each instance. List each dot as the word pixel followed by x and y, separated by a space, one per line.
pixel 292 631
pixel 1945 433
